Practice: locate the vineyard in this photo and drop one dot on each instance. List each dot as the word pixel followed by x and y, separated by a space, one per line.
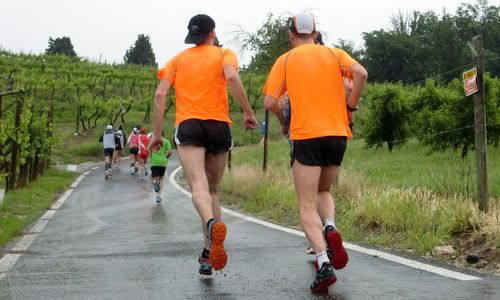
pixel 39 91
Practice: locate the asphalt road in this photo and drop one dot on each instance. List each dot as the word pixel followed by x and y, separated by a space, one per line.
pixel 111 240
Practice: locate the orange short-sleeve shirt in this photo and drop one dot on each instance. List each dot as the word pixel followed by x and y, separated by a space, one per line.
pixel 312 76
pixel 200 85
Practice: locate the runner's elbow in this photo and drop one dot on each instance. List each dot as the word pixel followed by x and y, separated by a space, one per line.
pixel 160 94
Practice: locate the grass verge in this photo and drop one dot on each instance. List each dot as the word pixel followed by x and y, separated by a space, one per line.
pixel 23 206
pixel 384 199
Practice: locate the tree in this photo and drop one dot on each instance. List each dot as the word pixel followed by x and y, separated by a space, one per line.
pixel 422 44
pixel 60 46
pixel 269 42
pixel 349 47
pixel 445 117
pixel 481 18
pixel 385 116
pixel 141 53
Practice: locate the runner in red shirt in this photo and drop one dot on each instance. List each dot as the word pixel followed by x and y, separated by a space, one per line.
pixel 143 153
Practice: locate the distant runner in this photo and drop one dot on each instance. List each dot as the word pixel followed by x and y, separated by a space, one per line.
pixel 120 140
pixel 143 154
pixel 133 141
pixel 159 161
pixel 108 144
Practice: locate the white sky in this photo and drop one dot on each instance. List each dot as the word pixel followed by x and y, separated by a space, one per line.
pixel 107 28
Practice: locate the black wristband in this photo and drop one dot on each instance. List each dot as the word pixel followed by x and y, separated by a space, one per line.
pixel 351 109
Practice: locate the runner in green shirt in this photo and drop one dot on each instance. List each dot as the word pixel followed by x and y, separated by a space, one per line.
pixel 159 160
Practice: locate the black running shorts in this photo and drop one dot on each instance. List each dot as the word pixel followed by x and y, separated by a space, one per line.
pixel 157 171
pixel 322 151
pixel 108 152
pixel 214 136
pixel 134 150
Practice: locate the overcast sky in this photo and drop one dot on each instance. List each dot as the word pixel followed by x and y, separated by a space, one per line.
pixel 107 28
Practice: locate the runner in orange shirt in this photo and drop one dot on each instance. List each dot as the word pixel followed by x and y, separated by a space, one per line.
pixel 312 76
pixel 201 75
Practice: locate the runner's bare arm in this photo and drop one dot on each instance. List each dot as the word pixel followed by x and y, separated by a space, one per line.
pixel 272 104
pixel 159 109
pixel 236 88
pixel 360 76
pixel 282 101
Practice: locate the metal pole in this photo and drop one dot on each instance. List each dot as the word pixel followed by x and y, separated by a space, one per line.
pixel 266 126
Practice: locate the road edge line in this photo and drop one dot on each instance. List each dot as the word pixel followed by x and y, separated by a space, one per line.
pixel 8 260
pixel 377 253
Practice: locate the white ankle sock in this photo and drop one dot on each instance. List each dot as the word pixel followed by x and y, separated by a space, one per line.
pixel 329 222
pixel 322 258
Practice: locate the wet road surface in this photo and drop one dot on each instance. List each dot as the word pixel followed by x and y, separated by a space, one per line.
pixel 111 240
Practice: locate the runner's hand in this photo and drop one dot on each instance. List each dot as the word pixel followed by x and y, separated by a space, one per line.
pixel 156 141
pixel 350 116
pixel 250 121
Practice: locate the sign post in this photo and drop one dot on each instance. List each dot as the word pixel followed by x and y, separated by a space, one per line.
pixel 480 124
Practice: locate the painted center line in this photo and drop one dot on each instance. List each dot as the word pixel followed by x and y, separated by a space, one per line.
pixel 390 257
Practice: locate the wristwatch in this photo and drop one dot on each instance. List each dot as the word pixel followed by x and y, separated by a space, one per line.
pixel 351 109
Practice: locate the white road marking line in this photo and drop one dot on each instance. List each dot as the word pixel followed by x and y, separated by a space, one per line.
pixel 49 214
pixel 411 263
pixel 77 181
pixel 24 243
pixel 85 173
pixel 95 168
pixel 390 257
pixel 39 226
pixel 61 200
pixel 8 261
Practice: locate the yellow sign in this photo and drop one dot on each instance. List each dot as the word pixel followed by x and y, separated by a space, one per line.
pixel 470 83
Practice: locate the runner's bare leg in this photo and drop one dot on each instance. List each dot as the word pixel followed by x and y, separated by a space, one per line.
pixel 193 163
pixel 306 186
pixel 326 205
pixel 215 166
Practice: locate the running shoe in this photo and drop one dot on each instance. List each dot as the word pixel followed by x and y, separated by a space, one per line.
pixel 158 199
pixel 216 235
pixel 205 266
pixel 325 277
pixel 145 172
pixel 156 186
pixel 309 250
pixel 339 257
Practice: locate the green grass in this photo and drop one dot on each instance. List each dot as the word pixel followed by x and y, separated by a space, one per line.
pixel 23 206
pixel 409 199
pixel 413 166
pixel 74 149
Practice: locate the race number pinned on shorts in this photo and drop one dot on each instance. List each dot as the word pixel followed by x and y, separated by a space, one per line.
pixel 470 82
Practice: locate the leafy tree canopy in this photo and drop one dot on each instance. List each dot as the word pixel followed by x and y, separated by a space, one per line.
pixel 141 53
pixel 61 45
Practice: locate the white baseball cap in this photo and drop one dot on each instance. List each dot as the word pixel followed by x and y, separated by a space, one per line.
pixel 302 23
pixel 109 127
